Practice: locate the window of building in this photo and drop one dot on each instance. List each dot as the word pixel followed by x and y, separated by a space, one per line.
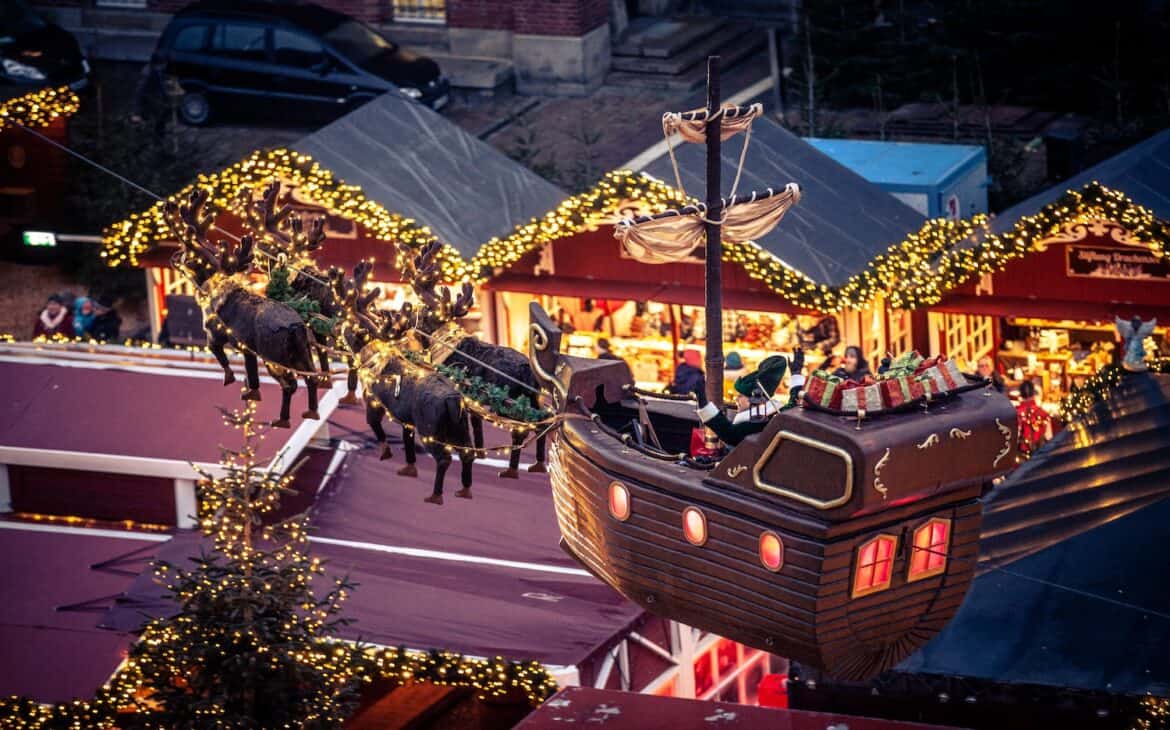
pixel 294 49
pixel 900 333
pixel 420 11
pixel 132 4
pixel 237 40
pixel 875 565
pixel 928 556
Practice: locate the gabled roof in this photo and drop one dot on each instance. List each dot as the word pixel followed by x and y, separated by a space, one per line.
pixel 421 166
pixel 841 222
pixel 1072 587
pixel 1141 172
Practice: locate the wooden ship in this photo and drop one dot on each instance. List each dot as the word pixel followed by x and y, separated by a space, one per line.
pixel 842 543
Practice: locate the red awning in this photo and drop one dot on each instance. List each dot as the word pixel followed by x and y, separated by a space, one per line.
pixel 666 292
pixel 993 306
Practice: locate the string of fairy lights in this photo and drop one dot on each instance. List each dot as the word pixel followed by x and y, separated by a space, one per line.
pixel 1097 389
pixel 38 108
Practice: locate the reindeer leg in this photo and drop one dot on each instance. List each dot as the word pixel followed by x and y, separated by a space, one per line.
pixel 513 470
pixel 539 467
pixel 477 435
pixel 288 386
pixel 322 380
pixel 252 371
pixel 311 386
pixel 466 459
pixel 351 382
pixel 374 418
pixel 215 343
pixel 442 461
pixel 410 470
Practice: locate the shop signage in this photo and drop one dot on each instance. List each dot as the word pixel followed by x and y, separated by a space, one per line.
pixel 1114 263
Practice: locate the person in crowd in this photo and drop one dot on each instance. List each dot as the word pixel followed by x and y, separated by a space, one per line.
pixel 1035 424
pixel 638 322
pixel 54 319
pixel 824 335
pixel 106 322
pixel 853 365
pixel 83 315
pixel 565 321
pixel 758 397
pixel 689 374
pixel 603 351
pixel 986 370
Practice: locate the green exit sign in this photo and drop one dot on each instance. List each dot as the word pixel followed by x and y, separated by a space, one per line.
pixel 40 239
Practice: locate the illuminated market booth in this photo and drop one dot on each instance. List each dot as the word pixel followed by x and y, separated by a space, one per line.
pixel 775 289
pixel 1081 253
pixel 391 172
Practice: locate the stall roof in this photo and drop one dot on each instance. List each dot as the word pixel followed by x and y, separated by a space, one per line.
pixel 48 651
pixel 419 165
pixel 482 577
pixel 112 410
pixel 1071 588
pixel 587 707
pixel 841 222
pixel 902 164
pixel 1142 172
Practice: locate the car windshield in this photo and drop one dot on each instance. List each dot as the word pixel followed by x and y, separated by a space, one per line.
pixel 357 41
pixel 17 18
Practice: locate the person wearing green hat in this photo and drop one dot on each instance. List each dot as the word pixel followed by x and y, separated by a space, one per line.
pixel 759 387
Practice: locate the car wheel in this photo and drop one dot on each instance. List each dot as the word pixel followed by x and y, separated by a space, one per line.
pixel 194 108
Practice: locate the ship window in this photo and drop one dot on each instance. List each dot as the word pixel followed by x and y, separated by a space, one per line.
pixel 694 525
pixel 619 501
pixel 771 551
pixel 875 565
pixel 929 554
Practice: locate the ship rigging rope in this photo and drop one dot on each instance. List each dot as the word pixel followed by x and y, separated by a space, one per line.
pixel 692 127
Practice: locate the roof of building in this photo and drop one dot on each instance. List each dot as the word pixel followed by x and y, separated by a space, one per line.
pixel 842 220
pixel 52 652
pixel 157 415
pixel 1071 589
pixel 586 707
pixel 1141 172
pixel 421 166
pixel 903 164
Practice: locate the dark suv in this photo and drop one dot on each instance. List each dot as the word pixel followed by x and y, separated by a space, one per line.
pixel 286 58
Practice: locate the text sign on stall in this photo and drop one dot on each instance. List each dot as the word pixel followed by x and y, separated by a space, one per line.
pixel 1113 263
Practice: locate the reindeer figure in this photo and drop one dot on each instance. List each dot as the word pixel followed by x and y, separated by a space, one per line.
pixel 284 234
pixel 254 325
pixel 495 364
pixel 426 403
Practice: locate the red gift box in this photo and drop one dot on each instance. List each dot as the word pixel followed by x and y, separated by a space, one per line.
pixel 824 392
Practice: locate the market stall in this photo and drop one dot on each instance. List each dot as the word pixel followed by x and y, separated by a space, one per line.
pixel 777 290
pixel 1094 249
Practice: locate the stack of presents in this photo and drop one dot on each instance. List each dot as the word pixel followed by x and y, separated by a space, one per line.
pixel 909 378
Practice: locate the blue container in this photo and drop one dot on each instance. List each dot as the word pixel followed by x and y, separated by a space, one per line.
pixel 937 180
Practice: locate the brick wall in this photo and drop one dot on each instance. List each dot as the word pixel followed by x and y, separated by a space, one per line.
pixel 534 17
pixel 481 14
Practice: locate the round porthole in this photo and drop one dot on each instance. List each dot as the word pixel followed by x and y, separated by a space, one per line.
pixel 771 551
pixel 619 501
pixel 694 524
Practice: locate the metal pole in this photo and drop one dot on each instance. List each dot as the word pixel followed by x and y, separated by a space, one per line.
pixel 714 249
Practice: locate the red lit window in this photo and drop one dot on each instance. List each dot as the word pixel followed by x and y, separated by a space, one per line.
pixel 771 551
pixel 875 565
pixel 694 525
pixel 929 554
pixel 619 501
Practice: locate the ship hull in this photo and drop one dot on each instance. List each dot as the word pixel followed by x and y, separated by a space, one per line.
pixel 806 610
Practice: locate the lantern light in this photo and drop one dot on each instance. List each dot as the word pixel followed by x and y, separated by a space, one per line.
pixel 771 551
pixel 619 501
pixel 694 525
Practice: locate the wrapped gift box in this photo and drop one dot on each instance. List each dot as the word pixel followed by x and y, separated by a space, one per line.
pixel 860 396
pixel 823 389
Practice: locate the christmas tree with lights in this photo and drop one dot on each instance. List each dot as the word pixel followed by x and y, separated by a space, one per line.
pixel 250 645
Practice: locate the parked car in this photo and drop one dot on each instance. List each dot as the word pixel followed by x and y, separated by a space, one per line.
pixel 285 58
pixel 35 53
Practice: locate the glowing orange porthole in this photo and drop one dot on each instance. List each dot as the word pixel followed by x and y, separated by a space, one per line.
pixel 771 551
pixel 619 501
pixel 694 525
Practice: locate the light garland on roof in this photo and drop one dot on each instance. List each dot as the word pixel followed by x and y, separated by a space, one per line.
pixel 1099 387
pixel 38 108
pixel 125 241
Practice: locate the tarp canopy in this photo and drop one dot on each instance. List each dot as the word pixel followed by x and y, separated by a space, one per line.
pixel 56 581
pixel 419 165
pixel 1072 588
pixel 842 221
pixel 1141 172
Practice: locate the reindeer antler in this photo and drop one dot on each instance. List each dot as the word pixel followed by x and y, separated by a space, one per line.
pixel 190 223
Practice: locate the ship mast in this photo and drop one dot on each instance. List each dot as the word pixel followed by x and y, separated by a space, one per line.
pixel 713 299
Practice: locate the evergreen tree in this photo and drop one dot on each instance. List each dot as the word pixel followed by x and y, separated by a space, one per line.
pixel 249 646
